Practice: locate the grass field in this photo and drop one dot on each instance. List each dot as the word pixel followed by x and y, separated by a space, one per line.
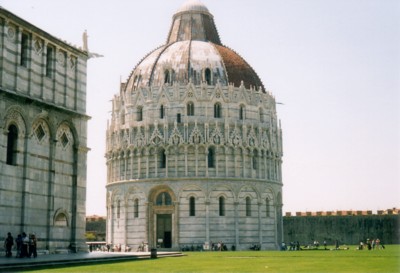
pixel 351 260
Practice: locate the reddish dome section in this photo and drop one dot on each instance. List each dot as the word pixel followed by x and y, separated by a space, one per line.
pixel 193 53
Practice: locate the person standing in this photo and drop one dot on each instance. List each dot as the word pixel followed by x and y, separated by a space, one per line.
pixel 32 246
pixel 24 246
pixel 8 243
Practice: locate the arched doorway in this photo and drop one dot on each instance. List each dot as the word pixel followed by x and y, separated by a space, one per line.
pixel 163 227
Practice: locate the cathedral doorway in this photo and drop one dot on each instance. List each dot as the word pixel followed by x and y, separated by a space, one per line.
pixel 164 230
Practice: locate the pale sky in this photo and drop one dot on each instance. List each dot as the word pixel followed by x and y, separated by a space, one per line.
pixel 335 64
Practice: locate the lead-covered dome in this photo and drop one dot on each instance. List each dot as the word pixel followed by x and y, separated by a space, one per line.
pixel 193 53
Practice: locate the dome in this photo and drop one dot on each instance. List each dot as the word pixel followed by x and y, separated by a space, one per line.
pixel 193 5
pixel 193 53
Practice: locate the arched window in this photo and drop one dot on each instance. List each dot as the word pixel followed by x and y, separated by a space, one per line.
pixel 190 109
pixel 207 76
pixel 192 206
pixel 167 77
pixel 267 207
pixel 61 220
pixel 221 206
pixel 162 111
pixel 164 199
pixel 248 206
pixel 136 208
pixel 163 159
pixel 217 110
pixel 211 157
pixel 241 112
pixel 178 118
pixel 118 209
pixel 12 141
pixel 139 116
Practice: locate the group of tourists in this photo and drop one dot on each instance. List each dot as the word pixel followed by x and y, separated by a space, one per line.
pixel 25 245
pixel 371 244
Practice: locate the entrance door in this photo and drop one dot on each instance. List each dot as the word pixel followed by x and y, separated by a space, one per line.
pixel 164 230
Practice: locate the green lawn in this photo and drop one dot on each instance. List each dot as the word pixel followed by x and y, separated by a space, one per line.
pixel 352 260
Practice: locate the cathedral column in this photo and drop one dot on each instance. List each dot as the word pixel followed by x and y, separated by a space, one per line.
pixel 196 152
pixel 260 224
pixel 125 224
pixel 206 153
pixel 166 162
pixel 207 203
pixel 139 157
pixel 186 161
pixel 147 155
pixel 175 226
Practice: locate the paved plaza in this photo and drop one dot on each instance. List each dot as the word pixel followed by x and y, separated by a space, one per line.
pixel 14 264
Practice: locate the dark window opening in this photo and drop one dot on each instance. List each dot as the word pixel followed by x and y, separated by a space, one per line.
pixel 162 111
pixel 163 159
pixel 49 61
pixel 207 75
pixel 221 206
pixel 248 206
pixel 12 140
pixel 211 158
pixel 136 208
pixel 241 112
pixel 178 118
pixel 192 206
pixel 139 113
pixel 24 50
pixel 118 209
pixel 217 110
pixel 167 78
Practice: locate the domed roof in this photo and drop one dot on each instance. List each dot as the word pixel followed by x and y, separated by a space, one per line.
pixel 193 53
pixel 193 5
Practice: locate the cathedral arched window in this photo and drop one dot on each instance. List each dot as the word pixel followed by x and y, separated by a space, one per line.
pixel 248 206
pixel 136 208
pixel 211 157
pixel 241 112
pixel 192 206
pixel 261 113
pixel 267 207
pixel 164 199
pixel 190 109
pixel 207 76
pixel 162 111
pixel 217 110
pixel 118 209
pixel 61 220
pixel 163 159
pixel 139 116
pixel 221 206
pixel 12 141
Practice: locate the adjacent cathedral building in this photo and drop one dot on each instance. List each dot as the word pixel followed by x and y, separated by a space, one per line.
pixel 43 125
pixel 194 146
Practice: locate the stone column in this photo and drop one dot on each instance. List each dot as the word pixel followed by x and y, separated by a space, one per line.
pixel 260 224
pixel 207 203
pixel 236 205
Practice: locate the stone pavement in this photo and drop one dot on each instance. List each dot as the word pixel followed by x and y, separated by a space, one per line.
pixel 14 264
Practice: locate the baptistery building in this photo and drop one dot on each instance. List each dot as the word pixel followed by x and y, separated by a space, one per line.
pixel 194 146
